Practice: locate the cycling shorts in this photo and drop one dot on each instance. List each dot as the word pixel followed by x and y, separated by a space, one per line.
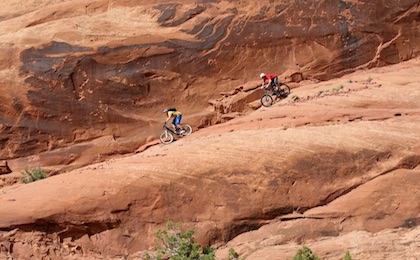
pixel 177 120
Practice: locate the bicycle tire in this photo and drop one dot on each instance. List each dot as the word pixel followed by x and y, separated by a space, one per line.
pixel 188 128
pixel 284 89
pixel 166 137
pixel 266 100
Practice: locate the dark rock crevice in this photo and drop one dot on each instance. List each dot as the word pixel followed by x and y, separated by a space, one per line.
pixel 65 229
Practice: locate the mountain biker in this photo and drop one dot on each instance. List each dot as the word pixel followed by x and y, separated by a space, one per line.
pixel 176 122
pixel 272 79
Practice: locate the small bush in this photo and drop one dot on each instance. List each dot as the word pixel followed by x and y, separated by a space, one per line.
pixel 233 255
pixel 295 98
pixel 174 245
pixel 305 254
pixel 33 175
pixel 347 256
pixel 338 88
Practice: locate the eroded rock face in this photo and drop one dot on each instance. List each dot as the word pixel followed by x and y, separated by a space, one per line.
pixel 84 80
pixel 108 68
pixel 4 167
pixel 336 163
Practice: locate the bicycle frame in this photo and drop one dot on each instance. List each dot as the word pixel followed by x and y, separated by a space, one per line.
pixel 268 89
pixel 165 127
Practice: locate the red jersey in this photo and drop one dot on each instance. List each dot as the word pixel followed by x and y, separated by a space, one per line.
pixel 270 76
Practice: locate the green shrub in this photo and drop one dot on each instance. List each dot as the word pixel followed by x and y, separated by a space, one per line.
pixel 33 175
pixel 305 254
pixel 347 256
pixel 174 245
pixel 338 88
pixel 233 255
pixel 295 98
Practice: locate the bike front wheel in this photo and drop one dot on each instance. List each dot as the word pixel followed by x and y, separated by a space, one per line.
pixel 166 137
pixel 266 100
pixel 187 127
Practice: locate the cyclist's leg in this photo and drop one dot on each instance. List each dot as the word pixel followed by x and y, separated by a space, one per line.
pixel 276 81
pixel 182 130
pixel 174 123
pixel 276 85
pixel 273 87
pixel 177 122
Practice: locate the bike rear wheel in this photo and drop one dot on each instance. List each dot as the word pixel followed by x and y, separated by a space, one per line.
pixel 166 137
pixel 187 127
pixel 283 90
pixel 266 100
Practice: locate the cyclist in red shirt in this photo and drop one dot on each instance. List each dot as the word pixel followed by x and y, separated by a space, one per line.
pixel 272 79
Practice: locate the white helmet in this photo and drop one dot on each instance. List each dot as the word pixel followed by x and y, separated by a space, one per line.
pixel 262 75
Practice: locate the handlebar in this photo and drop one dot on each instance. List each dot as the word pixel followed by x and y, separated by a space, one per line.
pixel 265 85
pixel 267 88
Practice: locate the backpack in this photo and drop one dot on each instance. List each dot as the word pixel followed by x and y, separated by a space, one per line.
pixel 171 109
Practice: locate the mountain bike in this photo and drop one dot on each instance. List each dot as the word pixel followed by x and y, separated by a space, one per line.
pixel 280 91
pixel 168 134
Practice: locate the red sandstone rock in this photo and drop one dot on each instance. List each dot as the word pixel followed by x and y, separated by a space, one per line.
pixel 74 71
pixel 4 167
pixel 328 158
pixel 85 81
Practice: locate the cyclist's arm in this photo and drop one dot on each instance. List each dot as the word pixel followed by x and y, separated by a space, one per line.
pixel 263 86
pixel 167 119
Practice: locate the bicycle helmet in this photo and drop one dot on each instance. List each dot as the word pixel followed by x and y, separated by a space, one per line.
pixel 262 75
pixel 169 109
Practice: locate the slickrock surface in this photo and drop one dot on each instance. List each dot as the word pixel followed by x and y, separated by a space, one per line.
pixel 334 166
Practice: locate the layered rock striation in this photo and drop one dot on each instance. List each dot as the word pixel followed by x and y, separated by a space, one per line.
pixel 337 164
pixel 74 71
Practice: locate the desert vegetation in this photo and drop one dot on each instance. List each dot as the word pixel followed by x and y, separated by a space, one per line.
pixel 174 244
pixel 33 175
